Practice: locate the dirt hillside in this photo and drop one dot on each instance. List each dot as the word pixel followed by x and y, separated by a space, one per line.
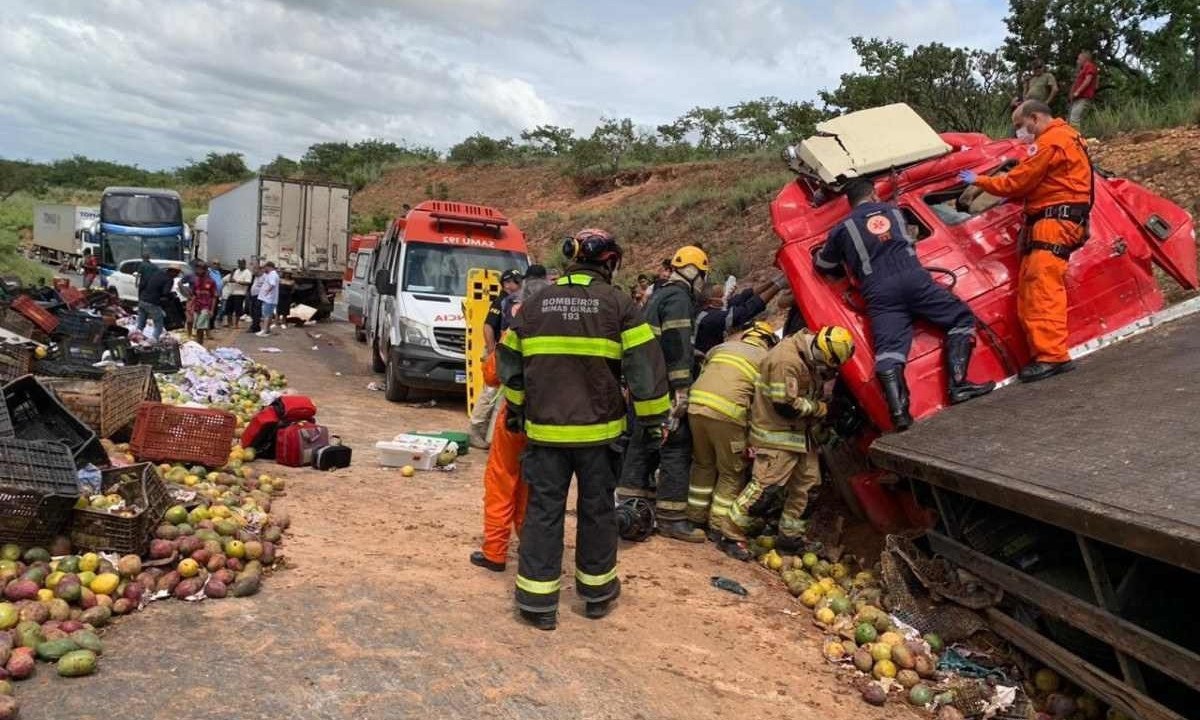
pixel 723 205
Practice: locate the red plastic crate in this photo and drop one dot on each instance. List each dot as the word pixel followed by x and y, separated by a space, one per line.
pixel 72 296
pixel 46 321
pixel 164 433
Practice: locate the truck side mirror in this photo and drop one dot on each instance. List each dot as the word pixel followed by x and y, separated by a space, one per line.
pixel 383 283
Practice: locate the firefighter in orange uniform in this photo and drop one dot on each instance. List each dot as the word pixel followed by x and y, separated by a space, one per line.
pixel 1056 183
pixel 504 492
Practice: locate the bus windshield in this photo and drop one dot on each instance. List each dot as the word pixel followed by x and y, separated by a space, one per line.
pixel 442 269
pixel 141 210
pixel 119 248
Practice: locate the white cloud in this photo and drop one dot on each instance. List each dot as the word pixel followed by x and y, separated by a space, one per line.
pixel 156 83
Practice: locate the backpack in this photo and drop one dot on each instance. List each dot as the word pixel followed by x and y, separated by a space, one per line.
pixel 260 432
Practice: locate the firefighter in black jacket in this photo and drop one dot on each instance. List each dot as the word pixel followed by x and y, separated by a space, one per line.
pixel 561 365
pixel 671 313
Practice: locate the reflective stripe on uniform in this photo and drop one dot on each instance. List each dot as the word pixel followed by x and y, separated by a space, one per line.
pixel 577 279
pixel 718 403
pixel 969 330
pixel 859 246
pixel 898 357
pixel 571 345
pixel 903 229
pixel 820 261
pixel 775 390
pixel 683 374
pixel 778 438
pixel 670 505
pixel 516 397
pixel 679 324
pixel 598 432
pixel 596 580
pixel 538 587
pixel 657 406
pixel 748 368
pixel 511 341
pixel 635 336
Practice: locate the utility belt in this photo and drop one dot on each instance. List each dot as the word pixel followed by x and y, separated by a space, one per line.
pixel 1077 213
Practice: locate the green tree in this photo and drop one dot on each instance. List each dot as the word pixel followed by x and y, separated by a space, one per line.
pixel 281 167
pixel 952 88
pixel 758 119
pixel 614 138
pixel 549 140
pixel 215 168
pixel 21 176
pixel 799 119
pixel 480 148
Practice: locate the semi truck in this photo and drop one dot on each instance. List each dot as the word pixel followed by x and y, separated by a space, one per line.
pixel 135 222
pixel 1078 496
pixel 58 228
pixel 302 226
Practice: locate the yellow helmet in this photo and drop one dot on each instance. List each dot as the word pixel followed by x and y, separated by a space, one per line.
pixel 690 255
pixel 760 333
pixel 835 344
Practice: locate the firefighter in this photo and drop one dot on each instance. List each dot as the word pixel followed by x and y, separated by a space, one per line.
pixel 504 492
pixel 670 313
pixel 562 364
pixel 787 406
pixel 876 246
pixel 718 406
pixel 720 317
pixel 1055 180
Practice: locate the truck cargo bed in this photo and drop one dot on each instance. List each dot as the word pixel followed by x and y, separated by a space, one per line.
pixel 1109 451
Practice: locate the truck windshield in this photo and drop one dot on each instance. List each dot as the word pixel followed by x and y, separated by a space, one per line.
pixel 442 269
pixel 141 210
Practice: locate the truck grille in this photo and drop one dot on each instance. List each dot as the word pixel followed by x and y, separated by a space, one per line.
pixel 451 339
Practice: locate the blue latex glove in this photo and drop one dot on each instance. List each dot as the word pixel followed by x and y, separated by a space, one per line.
pixel 967 176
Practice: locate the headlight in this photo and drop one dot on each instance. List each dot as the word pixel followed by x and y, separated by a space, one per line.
pixel 415 334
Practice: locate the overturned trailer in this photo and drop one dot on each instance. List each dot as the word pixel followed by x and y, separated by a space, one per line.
pixel 1079 496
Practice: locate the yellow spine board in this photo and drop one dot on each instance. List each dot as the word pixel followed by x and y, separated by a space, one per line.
pixel 483 287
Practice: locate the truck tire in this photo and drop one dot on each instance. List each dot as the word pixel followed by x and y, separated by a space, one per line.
pixel 393 388
pixel 377 364
pixel 360 334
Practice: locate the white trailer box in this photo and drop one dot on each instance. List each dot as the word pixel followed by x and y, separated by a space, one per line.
pixel 301 226
pixel 54 226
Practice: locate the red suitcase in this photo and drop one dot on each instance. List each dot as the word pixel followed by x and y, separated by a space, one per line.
pixel 260 431
pixel 296 444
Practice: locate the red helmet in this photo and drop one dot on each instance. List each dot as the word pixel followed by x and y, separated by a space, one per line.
pixel 593 246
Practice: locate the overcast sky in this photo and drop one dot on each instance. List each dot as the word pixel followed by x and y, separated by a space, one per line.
pixel 155 82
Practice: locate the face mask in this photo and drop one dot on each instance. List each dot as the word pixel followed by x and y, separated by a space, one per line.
pixel 1024 135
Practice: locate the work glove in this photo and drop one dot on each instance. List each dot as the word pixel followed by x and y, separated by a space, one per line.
pixel 967 176
pixel 679 404
pixel 780 281
pixel 821 411
pixel 514 419
pixel 654 435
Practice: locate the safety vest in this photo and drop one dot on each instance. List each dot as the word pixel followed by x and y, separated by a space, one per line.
pixel 785 378
pixel 726 385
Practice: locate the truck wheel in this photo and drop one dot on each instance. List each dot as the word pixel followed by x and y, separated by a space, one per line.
pixel 394 389
pixel 360 335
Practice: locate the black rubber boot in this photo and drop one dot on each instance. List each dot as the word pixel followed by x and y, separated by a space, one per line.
pixel 958 359
pixel 597 610
pixel 789 544
pixel 1042 370
pixel 479 559
pixel 540 620
pixel 681 530
pixel 734 549
pixel 895 391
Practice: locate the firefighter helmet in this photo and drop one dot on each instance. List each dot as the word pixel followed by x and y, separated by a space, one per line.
pixel 835 345
pixel 690 255
pixel 592 245
pixel 761 333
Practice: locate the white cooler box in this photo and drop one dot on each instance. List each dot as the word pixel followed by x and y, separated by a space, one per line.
pixel 417 450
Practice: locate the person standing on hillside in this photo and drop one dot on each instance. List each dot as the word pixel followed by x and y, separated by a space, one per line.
pixel 1041 84
pixel 1083 90
pixel 562 364
pixel 671 315
pixel 1056 182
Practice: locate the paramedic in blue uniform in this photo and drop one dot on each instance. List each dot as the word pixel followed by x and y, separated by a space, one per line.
pixel 874 244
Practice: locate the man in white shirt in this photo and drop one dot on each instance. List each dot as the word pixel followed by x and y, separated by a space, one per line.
pixel 268 295
pixel 237 283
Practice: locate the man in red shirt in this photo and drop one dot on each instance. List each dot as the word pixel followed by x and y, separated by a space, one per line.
pixel 204 300
pixel 91 268
pixel 1083 92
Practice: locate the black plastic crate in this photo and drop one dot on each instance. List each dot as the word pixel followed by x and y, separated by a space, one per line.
pixel 38 489
pixel 163 358
pixel 97 530
pixel 57 368
pixel 38 415
pixel 80 326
